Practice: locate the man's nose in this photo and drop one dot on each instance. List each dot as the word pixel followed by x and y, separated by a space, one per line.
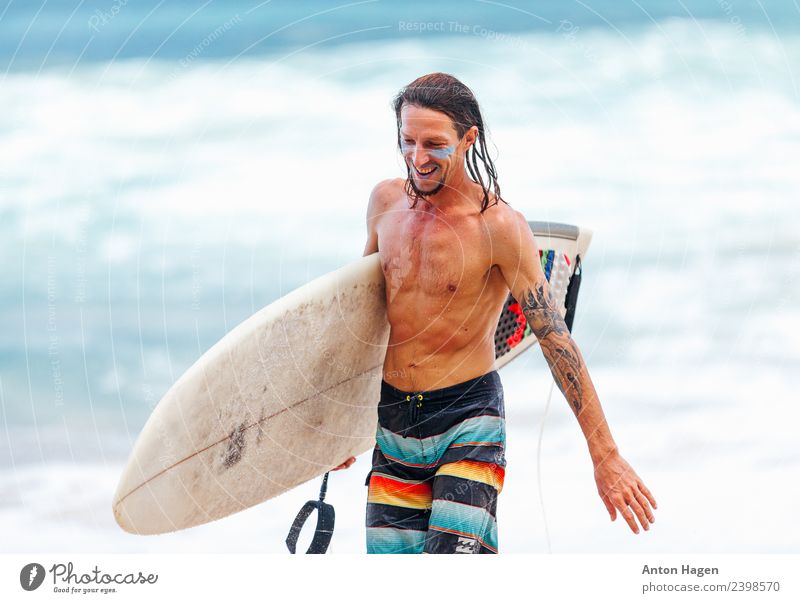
pixel 419 157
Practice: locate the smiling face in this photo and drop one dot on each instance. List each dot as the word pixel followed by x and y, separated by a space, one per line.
pixel 431 148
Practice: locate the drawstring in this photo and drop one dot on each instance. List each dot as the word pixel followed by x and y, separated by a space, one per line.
pixel 414 406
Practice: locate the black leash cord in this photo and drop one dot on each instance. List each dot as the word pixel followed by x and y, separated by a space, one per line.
pixel 326 517
pixel 571 299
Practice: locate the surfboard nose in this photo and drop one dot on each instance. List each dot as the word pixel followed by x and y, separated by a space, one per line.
pixel 142 512
pixel 135 505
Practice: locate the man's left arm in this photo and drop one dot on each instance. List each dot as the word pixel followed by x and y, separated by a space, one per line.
pixel 617 483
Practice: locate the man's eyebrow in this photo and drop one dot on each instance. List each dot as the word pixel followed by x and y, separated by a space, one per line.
pixel 434 138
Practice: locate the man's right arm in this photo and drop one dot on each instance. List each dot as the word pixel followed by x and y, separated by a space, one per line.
pixel 376 207
pixel 377 199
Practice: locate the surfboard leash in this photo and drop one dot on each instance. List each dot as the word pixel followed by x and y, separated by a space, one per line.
pixel 326 517
pixel 571 297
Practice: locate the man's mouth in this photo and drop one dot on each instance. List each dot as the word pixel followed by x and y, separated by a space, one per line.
pixel 427 172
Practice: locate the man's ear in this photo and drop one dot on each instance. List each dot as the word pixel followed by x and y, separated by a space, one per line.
pixel 470 136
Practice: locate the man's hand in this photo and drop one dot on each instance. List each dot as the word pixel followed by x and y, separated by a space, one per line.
pixel 346 464
pixel 620 488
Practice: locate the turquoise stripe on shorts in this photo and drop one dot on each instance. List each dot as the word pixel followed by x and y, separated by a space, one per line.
pixel 394 541
pixel 464 519
pixel 488 430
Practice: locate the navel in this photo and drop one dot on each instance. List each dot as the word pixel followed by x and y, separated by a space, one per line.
pixel 451 287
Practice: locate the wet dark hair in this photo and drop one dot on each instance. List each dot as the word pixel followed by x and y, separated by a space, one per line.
pixel 445 93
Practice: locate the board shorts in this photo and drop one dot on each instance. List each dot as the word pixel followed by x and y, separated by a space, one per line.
pixel 437 469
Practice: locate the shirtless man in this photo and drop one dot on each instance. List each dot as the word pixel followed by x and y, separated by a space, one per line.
pixel 451 249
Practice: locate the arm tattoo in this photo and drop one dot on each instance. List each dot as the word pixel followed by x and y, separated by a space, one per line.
pixel 540 310
pixel 559 349
pixel 565 365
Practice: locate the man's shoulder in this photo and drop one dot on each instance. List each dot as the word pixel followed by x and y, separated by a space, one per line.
pixel 513 244
pixel 387 188
pixel 384 194
pixel 501 219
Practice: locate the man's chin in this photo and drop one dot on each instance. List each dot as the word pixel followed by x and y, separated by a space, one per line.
pixel 426 193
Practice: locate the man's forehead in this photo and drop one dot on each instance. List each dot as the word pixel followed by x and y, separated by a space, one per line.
pixel 428 122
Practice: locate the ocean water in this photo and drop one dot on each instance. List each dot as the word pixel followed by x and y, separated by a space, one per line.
pixel 167 169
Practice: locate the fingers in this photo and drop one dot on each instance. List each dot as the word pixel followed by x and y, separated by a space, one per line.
pixel 636 507
pixel 346 464
pixel 612 511
pixel 645 504
pixel 648 494
pixel 640 514
pixel 628 516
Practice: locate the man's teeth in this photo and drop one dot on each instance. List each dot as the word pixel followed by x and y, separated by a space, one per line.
pixel 426 172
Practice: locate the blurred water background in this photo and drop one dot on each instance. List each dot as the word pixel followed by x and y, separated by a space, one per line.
pixel 168 168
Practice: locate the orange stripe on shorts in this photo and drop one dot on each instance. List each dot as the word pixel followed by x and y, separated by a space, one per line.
pixel 387 491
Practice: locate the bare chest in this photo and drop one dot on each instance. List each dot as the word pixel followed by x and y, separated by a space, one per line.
pixel 434 255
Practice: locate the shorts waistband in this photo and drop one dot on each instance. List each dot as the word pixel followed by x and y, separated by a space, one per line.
pixel 487 382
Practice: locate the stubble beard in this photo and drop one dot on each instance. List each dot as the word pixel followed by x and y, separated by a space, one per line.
pixel 421 193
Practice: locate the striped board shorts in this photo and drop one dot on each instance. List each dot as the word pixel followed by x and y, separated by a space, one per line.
pixel 437 469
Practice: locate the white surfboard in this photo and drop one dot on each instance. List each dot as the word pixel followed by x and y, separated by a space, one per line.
pixel 286 395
